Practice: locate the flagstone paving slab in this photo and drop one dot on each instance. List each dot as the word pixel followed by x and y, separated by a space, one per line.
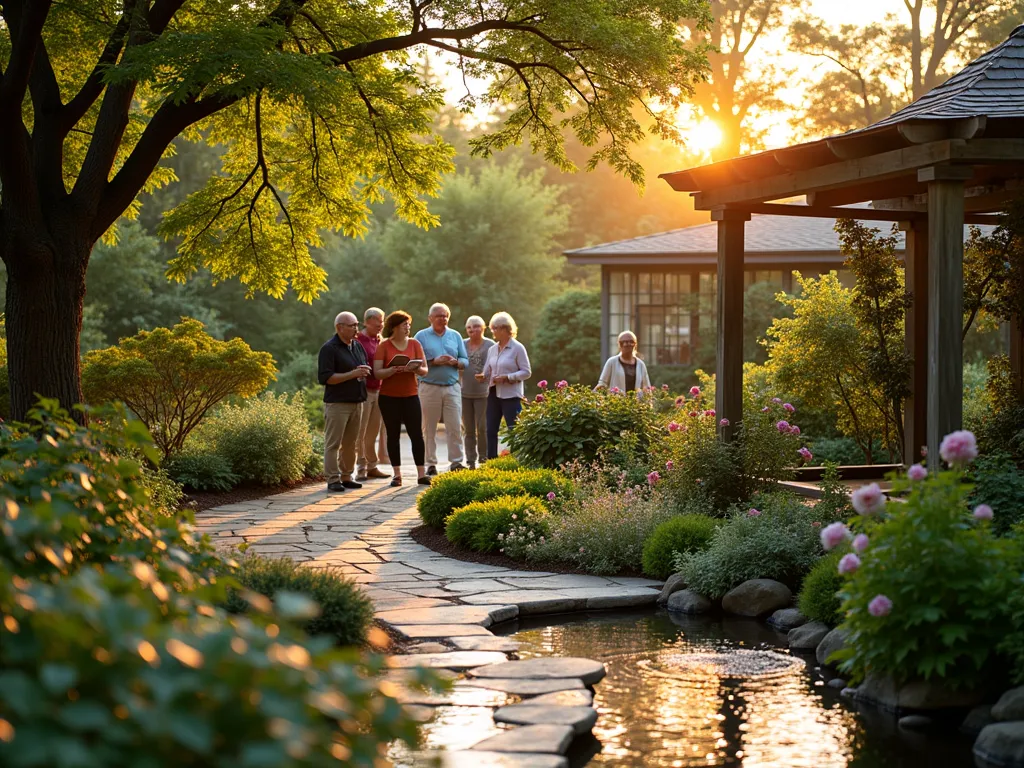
pixel 484 615
pixel 433 631
pixel 581 719
pixel 457 660
pixel 490 643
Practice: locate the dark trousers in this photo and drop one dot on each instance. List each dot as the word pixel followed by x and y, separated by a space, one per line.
pixel 499 408
pixel 396 411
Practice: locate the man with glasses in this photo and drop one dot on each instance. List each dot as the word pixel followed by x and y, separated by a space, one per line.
pixel 440 392
pixel 342 370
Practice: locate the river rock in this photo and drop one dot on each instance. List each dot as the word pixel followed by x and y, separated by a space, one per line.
pixel 786 619
pixel 675 583
pixel 549 739
pixel 757 597
pixel 580 719
pixel 807 637
pixel 977 719
pixel 1001 744
pixel 915 696
pixel 915 722
pixel 688 601
pixel 1010 705
pixel 837 683
pixel 829 644
pixel 587 670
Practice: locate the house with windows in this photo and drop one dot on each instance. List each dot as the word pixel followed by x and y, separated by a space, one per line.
pixel 662 286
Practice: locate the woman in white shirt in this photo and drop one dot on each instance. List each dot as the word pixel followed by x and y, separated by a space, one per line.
pixel 625 371
pixel 505 370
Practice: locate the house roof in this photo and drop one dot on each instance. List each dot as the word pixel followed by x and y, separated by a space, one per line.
pixel 975 118
pixel 768 241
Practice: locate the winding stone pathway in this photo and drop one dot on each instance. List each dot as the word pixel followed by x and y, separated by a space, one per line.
pixel 443 608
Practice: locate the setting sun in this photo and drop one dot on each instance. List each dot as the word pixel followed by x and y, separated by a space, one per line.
pixel 704 136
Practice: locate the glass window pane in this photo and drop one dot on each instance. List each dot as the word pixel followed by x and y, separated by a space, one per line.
pixel 617 282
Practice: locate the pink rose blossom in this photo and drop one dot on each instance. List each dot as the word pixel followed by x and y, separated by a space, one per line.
pixel 710 412
pixel 879 606
pixel 694 391
pixel 664 387
pixel 673 426
pixel 806 455
pixel 653 477
pixel 562 384
pixel 669 465
pixel 983 512
pixel 868 499
pixel 789 407
pixel 551 495
pixel 581 550
pixel 765 409
pixel 860 542
pixel 539 398
pixel 693 414
pixel 680 400
pixel 615 390
pixel 833 535
pixel 815 524
pixel 542 384
pixel 782 425
pixel 776 400
pixel 794 430
pixel 753 512
pixel 723 423
pixel 959 448
pixel 849 563
pixel 917 472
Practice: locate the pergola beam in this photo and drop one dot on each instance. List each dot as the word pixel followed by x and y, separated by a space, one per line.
pixel 860 214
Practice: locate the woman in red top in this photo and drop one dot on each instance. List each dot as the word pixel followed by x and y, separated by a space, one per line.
pixel 399 399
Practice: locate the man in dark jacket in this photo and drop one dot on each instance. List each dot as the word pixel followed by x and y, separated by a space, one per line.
pixel 342 370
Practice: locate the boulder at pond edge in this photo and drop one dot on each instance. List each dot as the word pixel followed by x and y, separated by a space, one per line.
pixel 829 644
pixel 675 583
pixel 688 601
pixel 757 597
pixel 1001 744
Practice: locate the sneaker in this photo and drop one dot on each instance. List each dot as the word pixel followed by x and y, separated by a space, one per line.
pixel 424 481
pixel 351 484
pixel 458 465
pixel 376 474
pixel 431 471
pixel 336 487
pixel 361 477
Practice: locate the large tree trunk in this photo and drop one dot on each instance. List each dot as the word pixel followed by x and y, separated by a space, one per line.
pixel 45 291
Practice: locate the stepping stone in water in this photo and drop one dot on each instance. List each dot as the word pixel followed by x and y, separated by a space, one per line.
pixel 485 644
pixel 480 759
pixel 428 648
pixel 484 615
pixel 457 696
pixel 457 660
pixel 527 688
pixel 440 631
pixel 573 698
pixel 550 739
pixel 580 719
pixel 587 670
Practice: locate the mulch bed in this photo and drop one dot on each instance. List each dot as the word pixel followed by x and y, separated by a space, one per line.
pixel 434 539
pixel 197 501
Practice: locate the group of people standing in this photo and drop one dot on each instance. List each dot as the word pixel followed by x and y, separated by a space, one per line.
pixel 381 378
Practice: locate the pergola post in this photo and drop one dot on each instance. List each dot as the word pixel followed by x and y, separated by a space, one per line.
pixel 729 375
pixel 946 303
pixel 915 411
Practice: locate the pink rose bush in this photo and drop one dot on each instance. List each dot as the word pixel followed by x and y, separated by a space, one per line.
pixel 917 472
pixel 983 512
pixel 833 535
pixel 806 455
pixel 694 391
pixel 542 384
pixel 868 499
pixel 849 563
pixel 880 606
pixel 958 449
pixel 562 384
pixel 723 423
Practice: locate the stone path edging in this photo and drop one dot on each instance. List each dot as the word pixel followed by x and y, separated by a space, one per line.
pixel 443 607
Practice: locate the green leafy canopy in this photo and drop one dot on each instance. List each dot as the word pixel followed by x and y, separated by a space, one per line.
pixel 319 107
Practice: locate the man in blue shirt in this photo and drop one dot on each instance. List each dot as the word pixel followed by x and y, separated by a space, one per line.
pixel 440 391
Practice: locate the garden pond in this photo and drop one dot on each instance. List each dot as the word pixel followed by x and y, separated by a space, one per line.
pixel 687 691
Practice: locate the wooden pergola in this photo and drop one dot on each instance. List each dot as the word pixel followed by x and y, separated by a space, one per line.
pixel 954 156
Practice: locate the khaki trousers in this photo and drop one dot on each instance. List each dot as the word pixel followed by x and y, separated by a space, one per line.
pixel 437 402
pixel 341 433
pixel 474 428
pixel 373 446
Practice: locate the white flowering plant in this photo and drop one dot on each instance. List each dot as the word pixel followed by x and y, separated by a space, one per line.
pixel 927 580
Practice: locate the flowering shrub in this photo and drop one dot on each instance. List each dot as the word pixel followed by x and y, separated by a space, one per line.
pixel 781 542
pixel 686 533
pixel 484 525
pixel 574 422
pixel 926 595
pixel 600 529
pixel 999 484
pixel 770 442
pixel 818 599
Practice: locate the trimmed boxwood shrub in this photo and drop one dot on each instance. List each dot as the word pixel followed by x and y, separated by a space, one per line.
pixel 447 493
pixel 504 464
pixel 345 612
pixel 686 533
pixel 478 525
pixel 819 596
pixel 532 482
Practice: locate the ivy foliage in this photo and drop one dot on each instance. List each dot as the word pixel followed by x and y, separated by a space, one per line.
pixel 172 377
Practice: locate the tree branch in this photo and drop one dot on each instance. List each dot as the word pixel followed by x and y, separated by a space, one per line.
pixel 26 27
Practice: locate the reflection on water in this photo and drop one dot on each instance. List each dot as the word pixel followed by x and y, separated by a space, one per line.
pixel 694 691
